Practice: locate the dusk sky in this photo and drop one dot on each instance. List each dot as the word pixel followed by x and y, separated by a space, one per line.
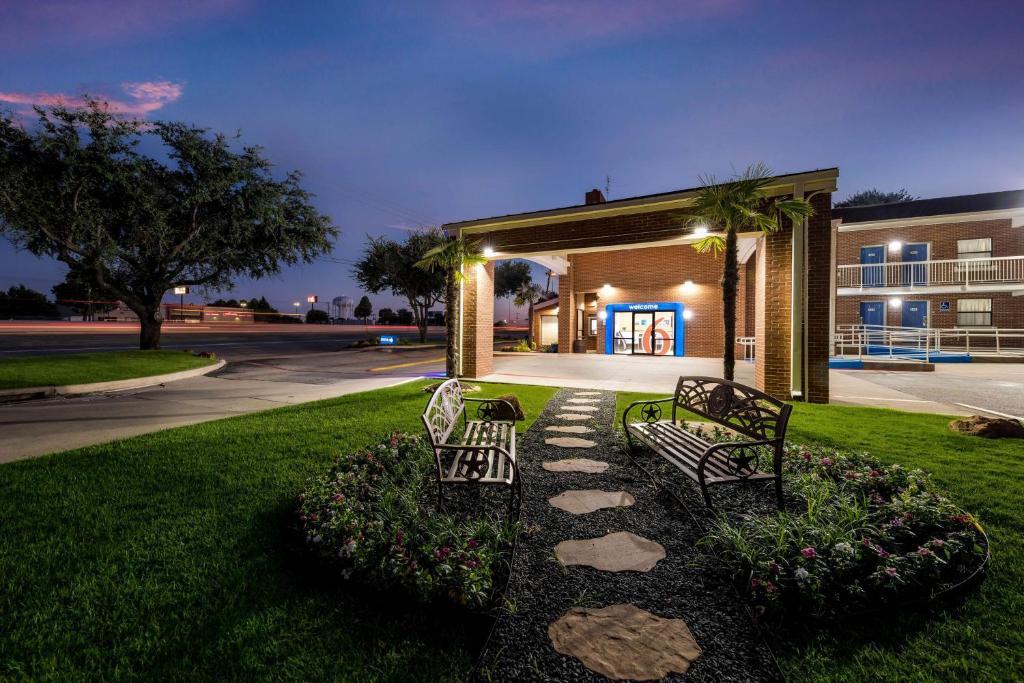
pixel 410 114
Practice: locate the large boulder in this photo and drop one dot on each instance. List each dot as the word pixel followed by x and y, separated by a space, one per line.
pixel 988 427
pixel 501 411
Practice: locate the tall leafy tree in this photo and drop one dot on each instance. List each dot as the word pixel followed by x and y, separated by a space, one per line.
pixel 509 277
pixel 390 265
pixel 197 211
pixel 82 296
pixel 875 196
pixel 738 205
pixel 451 258
pixel 527 295
pixel 21 302
pixel 364 309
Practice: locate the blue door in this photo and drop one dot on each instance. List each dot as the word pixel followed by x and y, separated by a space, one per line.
pixel 914 274
pixel 872 313
pixel 915 314
pixel 872 277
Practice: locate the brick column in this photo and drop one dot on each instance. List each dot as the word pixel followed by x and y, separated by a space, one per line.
pixel 819 298
pixel 478 321
pixel 772 311
pixel 566 310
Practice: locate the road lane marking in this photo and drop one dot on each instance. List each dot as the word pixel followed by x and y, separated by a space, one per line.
pixel 992 412
pixel 406 365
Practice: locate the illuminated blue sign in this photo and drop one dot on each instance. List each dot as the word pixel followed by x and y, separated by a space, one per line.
pixel 655 334
pixel 388 340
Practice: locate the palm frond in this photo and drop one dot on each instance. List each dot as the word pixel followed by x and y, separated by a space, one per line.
pixel 711 244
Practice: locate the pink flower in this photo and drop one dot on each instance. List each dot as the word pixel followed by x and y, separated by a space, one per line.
pixel 826 461
pixel 924 552
pixel 882 552
pixel 770 587
pixel 472 543
pixel 470 564
pixel 774 568
pixel 891 571
pixel 809 552
pixel 337 497
pixel 755 583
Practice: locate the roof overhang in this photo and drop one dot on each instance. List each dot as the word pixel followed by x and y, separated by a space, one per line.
pixel 1016 217
pixel 808 182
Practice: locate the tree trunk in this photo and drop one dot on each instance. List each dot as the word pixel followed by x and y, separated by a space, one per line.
pixel 420 313
pixel 149 332
pixel 730 281
pixel 451 325
pixel 529 330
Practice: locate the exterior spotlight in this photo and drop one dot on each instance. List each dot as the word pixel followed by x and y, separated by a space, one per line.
pixel 688 286
pixel 895 245
pixel 895 302
pixel 687 314
pixel 700 231
pixel 606 287
pixel 489 252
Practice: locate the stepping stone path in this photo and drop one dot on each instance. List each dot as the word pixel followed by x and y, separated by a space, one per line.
pixel 576 465
pixel 569 429
pixel 617 552
pixel 590 500
pixel 623 642
pixel 570 442
pixel 591 516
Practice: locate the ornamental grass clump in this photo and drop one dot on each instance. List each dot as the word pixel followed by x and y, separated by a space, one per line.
pixel 861 535
pixel 372 516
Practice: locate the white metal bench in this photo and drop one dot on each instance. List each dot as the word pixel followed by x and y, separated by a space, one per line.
pixel 480 451
pixel 745 410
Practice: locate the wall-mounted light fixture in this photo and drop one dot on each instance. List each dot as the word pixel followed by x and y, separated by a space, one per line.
pixel 689 287
pixel 606 288
pixel 895 245
pixel 489 252
pixel 700 231
pixel 895 302
pixel 687 314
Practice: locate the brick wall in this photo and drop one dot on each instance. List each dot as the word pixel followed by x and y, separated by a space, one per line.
pixel 478 321
pixel 773 310
pixel 819 284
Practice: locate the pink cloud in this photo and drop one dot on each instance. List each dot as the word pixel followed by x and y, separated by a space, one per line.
pixel 144 97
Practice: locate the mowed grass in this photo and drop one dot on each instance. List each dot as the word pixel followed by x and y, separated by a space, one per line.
pixel 982 639
pixel 83 368
pixel 168 557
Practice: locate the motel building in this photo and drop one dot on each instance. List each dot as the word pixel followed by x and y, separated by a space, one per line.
pixel 950 266
pixel 631 284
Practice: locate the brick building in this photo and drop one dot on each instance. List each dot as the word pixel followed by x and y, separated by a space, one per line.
pixel 630 283
pixel 952 263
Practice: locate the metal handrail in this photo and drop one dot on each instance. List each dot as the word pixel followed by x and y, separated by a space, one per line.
pixel 994 269
pixel 926 340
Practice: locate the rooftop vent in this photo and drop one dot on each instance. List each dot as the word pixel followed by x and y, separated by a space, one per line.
pixel 595 196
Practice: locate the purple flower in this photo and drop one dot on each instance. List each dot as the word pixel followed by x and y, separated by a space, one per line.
pixel 826 461
pixel 337 497
pixel 472 543
pixel 891 571
pixel 774 568
pixel 924 552
pixel 882 552
pixel 809 552
pixel 470 564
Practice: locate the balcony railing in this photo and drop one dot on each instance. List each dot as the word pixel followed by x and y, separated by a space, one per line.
pixel 966 272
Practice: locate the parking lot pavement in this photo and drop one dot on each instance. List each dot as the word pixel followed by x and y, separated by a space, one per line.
pixel 971 388
pixel 256 383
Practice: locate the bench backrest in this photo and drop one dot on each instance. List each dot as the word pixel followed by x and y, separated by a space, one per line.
pixel 443 410
pixel 733 405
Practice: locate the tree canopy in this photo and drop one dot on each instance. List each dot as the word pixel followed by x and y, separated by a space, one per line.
pixel 510 276
pixel 875 196
pixel 364 309
pixel 21 302
pixel 196 212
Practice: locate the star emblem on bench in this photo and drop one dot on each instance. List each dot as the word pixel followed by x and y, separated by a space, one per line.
pixel 486 412
pixel 651 412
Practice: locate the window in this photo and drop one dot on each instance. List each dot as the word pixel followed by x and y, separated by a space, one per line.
pixel 977 248
pixel 973 312
pixel 592 322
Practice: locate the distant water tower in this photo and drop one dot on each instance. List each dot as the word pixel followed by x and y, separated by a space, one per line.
pixel 344 306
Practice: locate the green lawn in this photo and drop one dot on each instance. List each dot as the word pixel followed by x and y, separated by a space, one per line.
pixel 166 556
pixel 983 640
pixel 82 368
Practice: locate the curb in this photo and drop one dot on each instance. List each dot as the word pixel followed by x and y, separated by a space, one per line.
pixel 51 391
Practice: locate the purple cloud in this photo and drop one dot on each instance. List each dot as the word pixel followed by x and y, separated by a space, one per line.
pixel 144 97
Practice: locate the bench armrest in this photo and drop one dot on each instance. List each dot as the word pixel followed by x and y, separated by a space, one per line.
pixel 634 404
pixel 728 445
pixel 511 409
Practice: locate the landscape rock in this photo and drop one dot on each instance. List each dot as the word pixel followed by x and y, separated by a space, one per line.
pixel 584 400
pixel 570 442
pixel 583 465
pixel 590 500
pixel 586 393
pixel 569 429
pixel 620 551
pixel 988 427
pixel 573 416
pixel 624 642
pixel 586 409
pixel 501 411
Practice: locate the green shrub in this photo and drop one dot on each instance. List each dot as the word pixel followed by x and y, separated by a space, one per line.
pixel 523 346
pixel 372 517
pixel 865 535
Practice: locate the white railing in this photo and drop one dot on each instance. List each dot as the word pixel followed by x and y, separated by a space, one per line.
pixel 980 271
pixel 748 344
pixel 921 343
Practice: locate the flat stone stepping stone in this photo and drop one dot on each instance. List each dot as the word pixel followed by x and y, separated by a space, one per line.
pixel 570 442
pixel 584 465
pixel 588 409
pixel 584 400
pixel 571 416
pixel 569 429
pixel 624 642
pixel 590 500
pixel 586 393
pixel 620 551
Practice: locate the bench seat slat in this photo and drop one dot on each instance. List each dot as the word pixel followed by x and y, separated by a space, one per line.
pixel 683 448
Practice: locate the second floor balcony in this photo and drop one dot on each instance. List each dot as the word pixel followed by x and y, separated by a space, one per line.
pixel 1002 273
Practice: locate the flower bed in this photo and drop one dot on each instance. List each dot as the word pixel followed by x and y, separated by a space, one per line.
pixel 861 535
pixel 374 518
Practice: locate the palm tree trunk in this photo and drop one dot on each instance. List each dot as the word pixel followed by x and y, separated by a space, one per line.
pixel 730 282
pixel 529 329
pixel 451 324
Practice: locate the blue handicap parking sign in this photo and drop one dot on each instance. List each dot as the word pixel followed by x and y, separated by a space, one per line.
pixel 944 306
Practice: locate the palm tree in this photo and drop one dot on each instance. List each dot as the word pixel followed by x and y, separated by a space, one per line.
pixel 741 204
pixel 527 295
pixel 451 256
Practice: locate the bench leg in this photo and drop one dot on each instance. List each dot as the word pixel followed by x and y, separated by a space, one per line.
pixel 515 498
pixel 778 493
pixel 707 495
pixel 440 496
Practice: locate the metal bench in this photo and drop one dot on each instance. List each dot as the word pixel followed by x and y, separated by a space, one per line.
pixel 745 410
pixel 480 451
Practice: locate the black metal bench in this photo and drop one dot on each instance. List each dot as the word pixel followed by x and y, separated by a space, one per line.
pixel 481 451
pixel 745 410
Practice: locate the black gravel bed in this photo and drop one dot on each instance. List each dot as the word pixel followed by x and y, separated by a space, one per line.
pixel 687 584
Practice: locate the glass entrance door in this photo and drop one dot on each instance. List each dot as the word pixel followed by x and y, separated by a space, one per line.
pixel 623 327
pixel 644 333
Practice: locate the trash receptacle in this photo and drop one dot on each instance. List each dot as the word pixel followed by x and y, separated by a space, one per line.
pixel 579 346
